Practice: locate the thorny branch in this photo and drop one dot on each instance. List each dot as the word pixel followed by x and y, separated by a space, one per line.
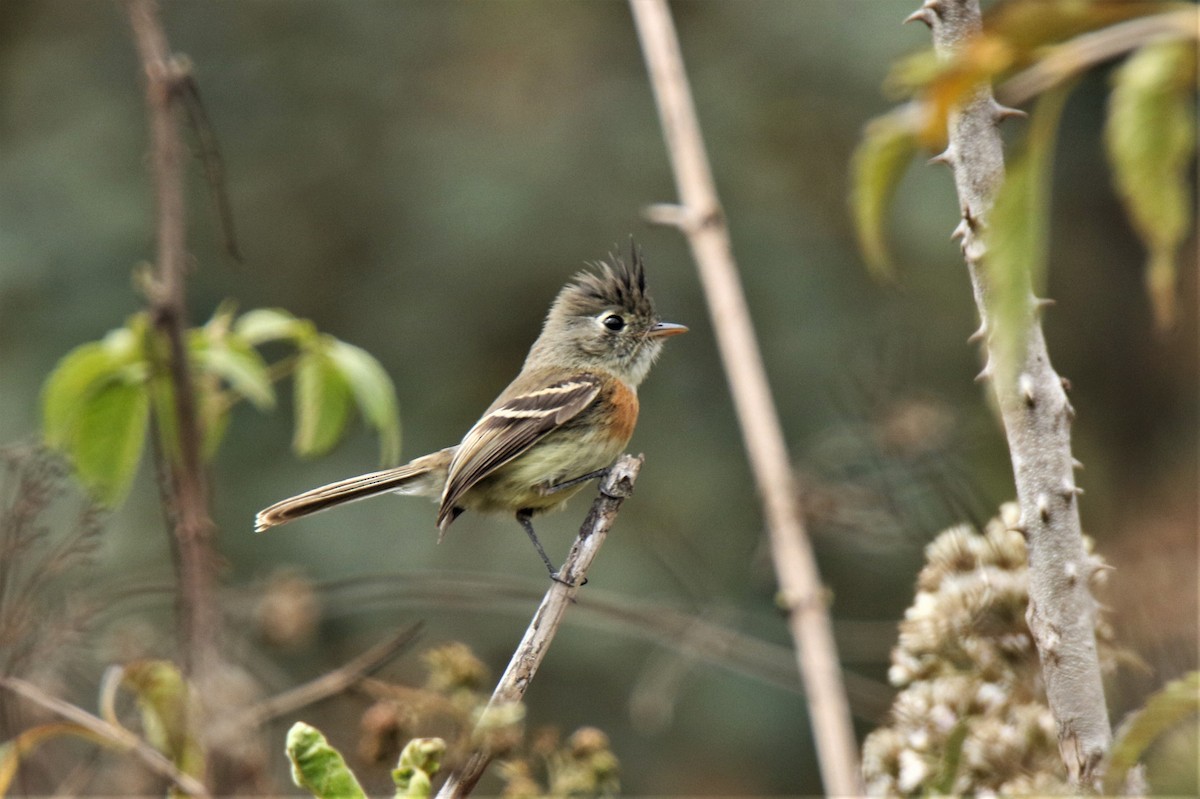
pixel 700 218
pixel 1037 422
pixel 510 690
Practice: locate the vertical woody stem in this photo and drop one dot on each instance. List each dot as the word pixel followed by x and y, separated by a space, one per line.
pixel 165 74
pixel 1037 422
pixel 701 219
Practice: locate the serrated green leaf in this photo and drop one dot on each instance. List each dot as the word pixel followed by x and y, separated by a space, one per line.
pixel 322 400
pixel 318 767
pixel 164 699
pixel 879 162
pixel 1171 705
pixel 374 394
pixel 106 444
pixel 271 324
pixel 233 360
pixel 1151 138
pixel 1018 233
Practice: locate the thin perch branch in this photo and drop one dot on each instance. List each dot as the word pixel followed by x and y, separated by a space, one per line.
pixel 1037 421
pixel 117 737
pixel 614 488
pixel 701 219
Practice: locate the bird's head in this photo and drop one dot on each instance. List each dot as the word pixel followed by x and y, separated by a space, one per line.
pixel 604 319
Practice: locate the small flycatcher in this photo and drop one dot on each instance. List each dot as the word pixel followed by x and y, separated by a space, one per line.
pixel 561 422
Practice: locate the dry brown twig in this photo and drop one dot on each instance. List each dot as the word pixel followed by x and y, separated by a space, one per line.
pixel 615 486
pixel 330 683
pixel 118 737
pixel 700 218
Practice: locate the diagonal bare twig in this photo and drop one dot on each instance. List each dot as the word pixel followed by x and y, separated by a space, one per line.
pixel 614 488
pixel 331 683
pixel 700 218
pixel 118 737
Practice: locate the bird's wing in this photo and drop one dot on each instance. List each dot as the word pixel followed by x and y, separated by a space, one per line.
pixel 510 429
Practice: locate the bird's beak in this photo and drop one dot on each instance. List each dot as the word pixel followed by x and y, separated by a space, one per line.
pixel 664 329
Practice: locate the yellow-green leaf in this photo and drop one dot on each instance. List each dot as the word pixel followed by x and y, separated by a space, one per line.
pixel 80 373
pixel 271 324
pixel 234 361
pixel 374 394
pixel 109 432
pixel 1175 702
pixel 418 764
pixel 318 767
pixel 322 400
pixel 1151 139
pixel 883 155
pixel 164 699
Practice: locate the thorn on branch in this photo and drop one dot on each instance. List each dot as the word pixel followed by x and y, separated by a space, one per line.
pixel 985 373
pixel 1043 507
pixel 1077 464
pixel 944 157
pixel 927 13
pixel 1071 572
pixel 1025 386
pixel 667 215
pixel 1040 304
pixel 960 231
pixel 979 335
pixel 1003 112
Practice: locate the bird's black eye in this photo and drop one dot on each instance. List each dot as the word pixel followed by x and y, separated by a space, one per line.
pixel 613 322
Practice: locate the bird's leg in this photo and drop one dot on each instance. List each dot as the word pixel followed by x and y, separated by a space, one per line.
pixel 524 517
pixel 574 481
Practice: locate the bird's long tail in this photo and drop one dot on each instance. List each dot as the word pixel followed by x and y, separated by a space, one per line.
pixel 422 477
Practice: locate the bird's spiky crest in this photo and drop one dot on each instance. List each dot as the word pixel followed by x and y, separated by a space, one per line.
pixel 614 283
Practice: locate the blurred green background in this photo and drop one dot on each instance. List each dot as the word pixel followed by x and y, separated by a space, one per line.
pixel 419 178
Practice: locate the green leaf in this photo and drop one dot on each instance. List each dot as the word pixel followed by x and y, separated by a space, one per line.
pixel 271 324
pixel 879 162
pixel 417 765
pixel 233 360
pixel 164 699
pixel 1151 138
pixel 322 399
pixel 80 373
pixel 1164 710
pixel 374 393
pixel 107 440
pixel 1018 233
pixel 318 767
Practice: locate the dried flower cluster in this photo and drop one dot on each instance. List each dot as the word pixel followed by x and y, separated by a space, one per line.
pixel 971 718
pixel 452 703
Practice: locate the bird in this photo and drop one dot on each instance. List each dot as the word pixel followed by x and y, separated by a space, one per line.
pixel 561 422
